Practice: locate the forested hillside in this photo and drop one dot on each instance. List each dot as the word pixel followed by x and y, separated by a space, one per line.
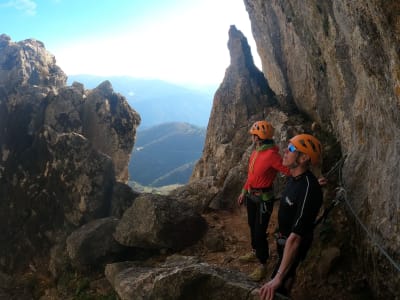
pixel 166 154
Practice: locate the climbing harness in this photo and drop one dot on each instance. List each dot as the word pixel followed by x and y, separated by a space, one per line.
pixel 280 239
pixel 261 197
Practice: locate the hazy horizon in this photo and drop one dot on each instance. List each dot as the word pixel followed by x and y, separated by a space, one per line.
pixel 179 42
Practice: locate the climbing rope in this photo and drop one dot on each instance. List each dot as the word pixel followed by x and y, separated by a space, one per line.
pixel 369 234
pixel 334 202
pixel 341 195
pixel 337 166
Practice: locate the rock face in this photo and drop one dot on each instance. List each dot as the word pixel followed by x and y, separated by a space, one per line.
pixel 62 149
pixel 27 63
pixel 338 62
pixel 242 98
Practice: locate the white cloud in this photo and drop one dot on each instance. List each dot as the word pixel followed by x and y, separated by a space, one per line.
pixel 27 6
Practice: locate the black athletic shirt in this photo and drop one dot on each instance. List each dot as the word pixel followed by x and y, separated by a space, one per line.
pixel 299 205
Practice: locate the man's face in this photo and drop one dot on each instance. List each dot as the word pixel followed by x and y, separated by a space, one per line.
pixel 290 156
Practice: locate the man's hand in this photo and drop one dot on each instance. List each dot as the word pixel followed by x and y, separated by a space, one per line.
pixel 240 199
pixel 267 291
pixel 322 181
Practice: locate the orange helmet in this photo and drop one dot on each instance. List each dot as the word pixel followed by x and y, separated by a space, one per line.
pixel 263 130
pixel 309 145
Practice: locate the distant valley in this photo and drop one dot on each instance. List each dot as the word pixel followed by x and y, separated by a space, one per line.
pixel 170 138
pixel 158 101
pixel 166 154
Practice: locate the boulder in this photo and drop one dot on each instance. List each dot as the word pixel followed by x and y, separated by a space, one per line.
pixel 92 242
pixel 179 277
pixel 159 222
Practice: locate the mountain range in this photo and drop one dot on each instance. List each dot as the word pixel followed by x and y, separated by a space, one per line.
pixel 171 134
pixel 166 154
pixel 158 101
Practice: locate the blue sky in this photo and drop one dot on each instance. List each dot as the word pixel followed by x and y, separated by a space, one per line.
pixel 181 41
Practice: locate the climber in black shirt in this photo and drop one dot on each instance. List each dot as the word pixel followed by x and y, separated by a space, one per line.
pixel 298 209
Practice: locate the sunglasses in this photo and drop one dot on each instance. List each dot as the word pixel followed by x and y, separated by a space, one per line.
pixel 291 148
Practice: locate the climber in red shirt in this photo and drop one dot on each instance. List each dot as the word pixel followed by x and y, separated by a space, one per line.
pixel 257 193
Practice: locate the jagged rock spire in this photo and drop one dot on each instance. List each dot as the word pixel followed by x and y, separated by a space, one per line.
pixel 243 97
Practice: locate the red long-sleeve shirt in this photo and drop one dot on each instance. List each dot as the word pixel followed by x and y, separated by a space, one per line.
pixel 264 163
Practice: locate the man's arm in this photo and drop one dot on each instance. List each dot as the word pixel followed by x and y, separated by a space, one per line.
pixel 289 254
pixel 267 291
pixel 277 164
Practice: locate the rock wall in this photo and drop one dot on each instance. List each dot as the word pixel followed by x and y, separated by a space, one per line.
pixel 338 62
pixel 62 148
pixel 242 98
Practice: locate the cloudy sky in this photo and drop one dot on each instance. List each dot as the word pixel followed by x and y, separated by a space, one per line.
pixel 181 41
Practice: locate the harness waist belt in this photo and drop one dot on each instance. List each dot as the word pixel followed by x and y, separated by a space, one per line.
pixel 261 190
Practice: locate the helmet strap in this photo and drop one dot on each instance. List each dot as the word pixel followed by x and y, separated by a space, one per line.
pixel 297 163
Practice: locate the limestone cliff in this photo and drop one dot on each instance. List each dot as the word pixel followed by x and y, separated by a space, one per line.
pixel 62 150
pixel 338 62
